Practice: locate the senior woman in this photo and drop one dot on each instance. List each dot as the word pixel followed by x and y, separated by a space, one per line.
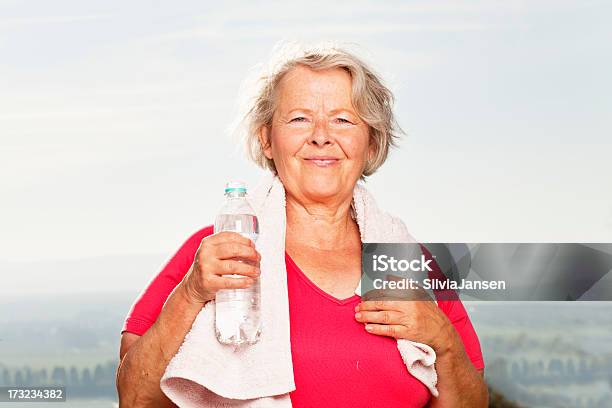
pixel 321 121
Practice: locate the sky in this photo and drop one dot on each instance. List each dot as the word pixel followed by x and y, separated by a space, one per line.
pixel 114 118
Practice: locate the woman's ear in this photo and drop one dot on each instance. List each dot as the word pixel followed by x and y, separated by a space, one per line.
pixel 264 140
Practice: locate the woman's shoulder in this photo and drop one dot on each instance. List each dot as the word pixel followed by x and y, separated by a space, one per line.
pixel 178 264
pixel 197 237
pixel 186 252
pixel 149 303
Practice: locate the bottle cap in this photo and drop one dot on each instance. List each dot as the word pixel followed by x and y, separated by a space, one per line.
pixel 237 186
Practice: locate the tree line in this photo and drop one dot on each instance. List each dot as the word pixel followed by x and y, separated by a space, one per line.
pixel 98 381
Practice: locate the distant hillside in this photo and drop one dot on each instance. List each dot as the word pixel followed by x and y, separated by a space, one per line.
pixel 112 273
pixel 72 307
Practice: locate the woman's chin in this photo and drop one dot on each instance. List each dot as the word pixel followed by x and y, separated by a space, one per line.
pixel 321 188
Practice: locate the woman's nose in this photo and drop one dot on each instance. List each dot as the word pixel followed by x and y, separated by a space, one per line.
pixel 320 135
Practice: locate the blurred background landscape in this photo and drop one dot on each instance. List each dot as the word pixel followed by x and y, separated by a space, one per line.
pixel 555 354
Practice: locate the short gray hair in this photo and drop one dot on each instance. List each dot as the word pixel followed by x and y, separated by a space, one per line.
pixel 372 100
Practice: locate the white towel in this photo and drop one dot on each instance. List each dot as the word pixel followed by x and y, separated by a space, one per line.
pixel 205 373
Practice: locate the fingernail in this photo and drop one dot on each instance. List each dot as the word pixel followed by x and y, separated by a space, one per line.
pixel 368 328
pixel 357 308
pixel 357 315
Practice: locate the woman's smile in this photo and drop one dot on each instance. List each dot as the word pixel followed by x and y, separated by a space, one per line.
pixel 322 161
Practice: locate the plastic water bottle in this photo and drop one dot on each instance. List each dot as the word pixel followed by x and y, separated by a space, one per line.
pixel 237 319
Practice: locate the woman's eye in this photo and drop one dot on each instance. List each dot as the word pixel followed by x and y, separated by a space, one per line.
pixel 298 119
pixel 342 120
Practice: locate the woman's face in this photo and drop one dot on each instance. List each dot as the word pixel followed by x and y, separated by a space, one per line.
pixel 318 143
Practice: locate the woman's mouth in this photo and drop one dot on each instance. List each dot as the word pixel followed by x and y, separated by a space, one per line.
pixel 323 161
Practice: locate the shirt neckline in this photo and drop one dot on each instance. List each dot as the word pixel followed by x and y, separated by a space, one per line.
pixel 317 289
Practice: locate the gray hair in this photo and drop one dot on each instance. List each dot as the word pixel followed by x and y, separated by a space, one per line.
pixel 372 100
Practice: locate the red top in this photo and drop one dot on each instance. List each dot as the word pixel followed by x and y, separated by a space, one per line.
pixel 335 361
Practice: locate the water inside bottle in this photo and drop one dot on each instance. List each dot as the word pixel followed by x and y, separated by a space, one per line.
pixel 237 319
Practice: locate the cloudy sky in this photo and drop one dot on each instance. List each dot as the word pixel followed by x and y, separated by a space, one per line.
pixel 114 117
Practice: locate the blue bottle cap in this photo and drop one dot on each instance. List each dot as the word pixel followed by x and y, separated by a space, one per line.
pixel 237 186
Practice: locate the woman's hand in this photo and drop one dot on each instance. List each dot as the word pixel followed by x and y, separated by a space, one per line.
pixel 220 254
pixel 421 321
pixel 418 318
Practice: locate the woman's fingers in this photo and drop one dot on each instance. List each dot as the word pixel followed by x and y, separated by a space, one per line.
pixel 382 317
pixel 234 250
pixel 391 330
pixel 229 236
pixel 219 255
pixel 398 319
pixel 233 267
pixel 220 282
pixel 420 321
pixel 384 322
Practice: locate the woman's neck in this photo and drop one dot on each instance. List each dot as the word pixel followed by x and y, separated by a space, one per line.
pixel 320 225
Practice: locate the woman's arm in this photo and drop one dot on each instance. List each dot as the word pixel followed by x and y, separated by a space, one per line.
pixel 144 359
pixel 459 383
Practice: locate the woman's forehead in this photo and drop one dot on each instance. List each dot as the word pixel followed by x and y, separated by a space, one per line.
pixel 306 88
